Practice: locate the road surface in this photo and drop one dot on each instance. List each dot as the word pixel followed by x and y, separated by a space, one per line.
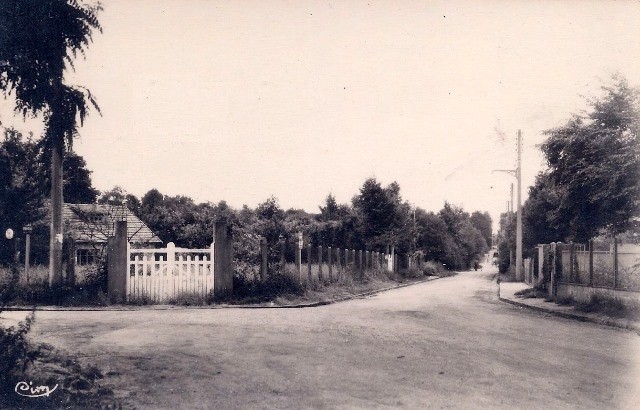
pixel 448 343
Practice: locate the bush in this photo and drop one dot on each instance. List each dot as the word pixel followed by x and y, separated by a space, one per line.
pixel 609 306
pixel 432 268
pixel 275 285
pixel 15 354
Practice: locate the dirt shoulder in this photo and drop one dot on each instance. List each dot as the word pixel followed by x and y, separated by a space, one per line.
pixel 318 294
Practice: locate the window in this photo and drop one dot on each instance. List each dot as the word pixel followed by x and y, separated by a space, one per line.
pixel 86 256
pixel 95 217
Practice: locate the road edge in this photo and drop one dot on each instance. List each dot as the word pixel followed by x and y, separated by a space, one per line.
pixel 573 316
pixel 125 308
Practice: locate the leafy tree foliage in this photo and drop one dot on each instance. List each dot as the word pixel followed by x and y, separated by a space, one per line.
pixel 23 187
pixel 482 222
pixel 448 237
pixel 467 242
pixel 594 166
pixel 538 213
pixel 381 214
pixel 38 41
pixel 506 241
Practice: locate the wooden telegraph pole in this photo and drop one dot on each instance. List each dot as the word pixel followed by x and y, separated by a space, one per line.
pixel 518 174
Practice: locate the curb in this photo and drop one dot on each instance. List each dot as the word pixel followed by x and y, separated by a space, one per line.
pixel 574 316
pixel 125 308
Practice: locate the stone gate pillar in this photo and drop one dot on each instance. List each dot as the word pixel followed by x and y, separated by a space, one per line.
pixel 117 264
pixel 222 259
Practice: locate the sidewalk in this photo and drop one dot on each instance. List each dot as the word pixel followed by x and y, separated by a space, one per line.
pixel 507 290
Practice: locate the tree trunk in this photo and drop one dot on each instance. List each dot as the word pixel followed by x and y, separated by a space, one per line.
pixel 56 234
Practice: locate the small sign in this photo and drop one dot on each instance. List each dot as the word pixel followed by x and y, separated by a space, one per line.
pixel 59 237
pixel 9 233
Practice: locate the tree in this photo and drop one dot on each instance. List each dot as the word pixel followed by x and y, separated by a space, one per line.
pixel 381 214
pixel 329 211
pixel 482 222
pixel 594 165
pixel 115 196
pixel 38 41
pixel 469 242
pixel 538 213
pixel 77 187
pixel 23 187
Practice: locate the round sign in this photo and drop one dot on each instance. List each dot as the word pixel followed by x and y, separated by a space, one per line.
pixel 9 233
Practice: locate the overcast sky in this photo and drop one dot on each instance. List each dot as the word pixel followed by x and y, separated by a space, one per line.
pixel 241 100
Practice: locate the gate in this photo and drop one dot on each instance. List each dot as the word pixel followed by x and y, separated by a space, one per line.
pixel 161 275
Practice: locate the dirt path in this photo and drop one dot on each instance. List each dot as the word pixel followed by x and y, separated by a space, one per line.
pixel 443 344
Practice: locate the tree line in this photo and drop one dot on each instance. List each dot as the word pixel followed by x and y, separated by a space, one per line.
pixel 376 217
pixel 591 185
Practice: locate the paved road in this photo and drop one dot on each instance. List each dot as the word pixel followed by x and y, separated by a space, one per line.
pixel 448 343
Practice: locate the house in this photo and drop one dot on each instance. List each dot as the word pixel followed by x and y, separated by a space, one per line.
pixel 90 225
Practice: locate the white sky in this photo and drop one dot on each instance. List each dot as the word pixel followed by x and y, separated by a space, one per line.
pixel 240 100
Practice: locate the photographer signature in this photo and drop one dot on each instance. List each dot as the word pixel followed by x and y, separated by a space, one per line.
pixel 28 390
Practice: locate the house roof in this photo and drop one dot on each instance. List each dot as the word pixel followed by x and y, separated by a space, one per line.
pixel 94 223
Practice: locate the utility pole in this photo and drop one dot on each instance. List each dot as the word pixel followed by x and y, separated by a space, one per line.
pixel 511 207
pixel 518 174
pixel 519 216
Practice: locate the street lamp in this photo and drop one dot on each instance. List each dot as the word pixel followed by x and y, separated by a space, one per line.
pixel 518 174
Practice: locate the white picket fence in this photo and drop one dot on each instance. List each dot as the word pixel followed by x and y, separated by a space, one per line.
pixel 164 274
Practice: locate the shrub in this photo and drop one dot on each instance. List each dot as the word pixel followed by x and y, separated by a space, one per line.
pixel 609 306
pixel 432 268
pixel 275 285
pixel 412 273
pixel 15 353
pixel 564 300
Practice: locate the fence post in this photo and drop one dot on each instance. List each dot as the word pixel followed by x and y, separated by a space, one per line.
pixel 223 259
pixel 283 250
pixel 117 263
pixel 329 263
pixel 319 262
pixel 309 276
pixel 590 262
pixel 554 267
pixel 541 262
pixel 393 259
pixel 299 256
pixel 346 261
pixel 615 262
pixel 367 260
pixel 338 264
pixel 571 256
pixel 263 261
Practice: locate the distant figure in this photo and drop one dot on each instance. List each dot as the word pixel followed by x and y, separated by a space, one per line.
pixel 476 265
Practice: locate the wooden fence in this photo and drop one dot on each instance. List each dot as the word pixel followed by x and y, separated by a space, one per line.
pixel 325 263
pixel 161 275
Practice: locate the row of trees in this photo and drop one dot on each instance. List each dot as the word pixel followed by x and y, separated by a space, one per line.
pixel 376 217
pixel 591 186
